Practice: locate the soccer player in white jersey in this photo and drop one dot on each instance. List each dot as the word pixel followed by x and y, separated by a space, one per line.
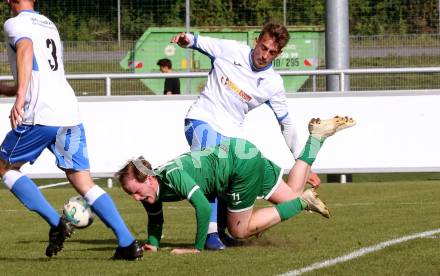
pixel 240 80
pixel 45 115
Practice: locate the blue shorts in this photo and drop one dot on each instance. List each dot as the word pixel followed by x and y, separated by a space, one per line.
pixel 27 142
pixel 201 135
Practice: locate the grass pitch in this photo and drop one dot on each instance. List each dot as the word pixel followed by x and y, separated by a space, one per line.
pixel 364 214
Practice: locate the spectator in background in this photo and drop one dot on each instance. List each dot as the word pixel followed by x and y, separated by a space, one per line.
pixel 172 85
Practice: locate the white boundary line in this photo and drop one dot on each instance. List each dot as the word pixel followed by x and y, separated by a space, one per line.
pixel 360 252
pixel 53 185
pixel 56 184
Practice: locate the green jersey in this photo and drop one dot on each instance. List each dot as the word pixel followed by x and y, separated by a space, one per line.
pixel 234 170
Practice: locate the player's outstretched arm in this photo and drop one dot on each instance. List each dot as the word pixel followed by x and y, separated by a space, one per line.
pixel 155 225
pixel 182 40
pixel 291 137
pixel 203 212
pixel 181 251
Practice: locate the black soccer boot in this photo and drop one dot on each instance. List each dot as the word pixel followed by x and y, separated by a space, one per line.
pixel 132 252
pixel 57 236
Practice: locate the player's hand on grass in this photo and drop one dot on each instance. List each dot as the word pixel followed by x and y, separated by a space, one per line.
pixel 314 180
pixel 149 248
pixel 181 39
pixel 181 251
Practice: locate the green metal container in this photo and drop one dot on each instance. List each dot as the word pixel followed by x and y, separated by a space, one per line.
pixel 305 51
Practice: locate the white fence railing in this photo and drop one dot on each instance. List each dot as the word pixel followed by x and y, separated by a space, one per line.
pixel 342 73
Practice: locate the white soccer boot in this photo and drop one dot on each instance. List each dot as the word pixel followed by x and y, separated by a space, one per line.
pixel 314 204
pixel 326 128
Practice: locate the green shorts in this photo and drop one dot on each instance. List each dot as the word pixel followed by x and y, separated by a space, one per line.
pixel 252 178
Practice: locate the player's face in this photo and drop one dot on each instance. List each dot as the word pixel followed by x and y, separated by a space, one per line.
pixel 140 191
pixel 265 51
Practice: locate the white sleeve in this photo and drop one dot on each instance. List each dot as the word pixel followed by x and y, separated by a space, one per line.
pixel 211 47
pixel 278 104
pixel 291 136
pixel 15 30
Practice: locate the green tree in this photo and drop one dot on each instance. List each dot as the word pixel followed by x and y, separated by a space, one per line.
pixel 306 12
pixel 4 15
pixel 97 20
pixel 133 23
pixel 211 13
pixel 423 16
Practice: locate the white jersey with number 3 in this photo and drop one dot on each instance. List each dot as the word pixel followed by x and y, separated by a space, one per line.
pixel 50 99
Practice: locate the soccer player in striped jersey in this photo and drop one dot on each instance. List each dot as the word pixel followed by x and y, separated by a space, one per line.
pixel 241 79
pixel 236 171
pixel 45 115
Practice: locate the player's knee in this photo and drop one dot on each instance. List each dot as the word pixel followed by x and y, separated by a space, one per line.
pixel 5 166
pixel 81 180
pixel 239 233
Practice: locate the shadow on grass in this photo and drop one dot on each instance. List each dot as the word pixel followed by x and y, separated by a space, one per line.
pixel 73 240
pixel 47 259
pixel 269 240
pixel 16 260
pixel 111 244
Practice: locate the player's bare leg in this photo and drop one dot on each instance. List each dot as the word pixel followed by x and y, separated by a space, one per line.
pixel 291 197
pixel 57 235
pixel 310 197
pixel 248 223
pixel 81 181
pixel 31 197
pixel 242 225
pixel 319 131
pixel 103 205
pixel 298 176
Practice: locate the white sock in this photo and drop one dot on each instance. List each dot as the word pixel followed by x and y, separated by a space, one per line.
pixel 212 228
pixel 93 194
pixel 10 177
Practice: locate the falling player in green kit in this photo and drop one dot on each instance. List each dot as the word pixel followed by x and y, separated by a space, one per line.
pixel 236 171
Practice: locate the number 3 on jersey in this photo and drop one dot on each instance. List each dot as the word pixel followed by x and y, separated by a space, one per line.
pixel 53 63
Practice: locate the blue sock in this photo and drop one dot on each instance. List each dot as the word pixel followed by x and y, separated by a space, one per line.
pixel 213 203
pixel 106 211
pixel 28 193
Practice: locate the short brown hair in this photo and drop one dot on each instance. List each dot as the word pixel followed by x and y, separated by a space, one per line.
pixel 276 31
pixel 130 166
